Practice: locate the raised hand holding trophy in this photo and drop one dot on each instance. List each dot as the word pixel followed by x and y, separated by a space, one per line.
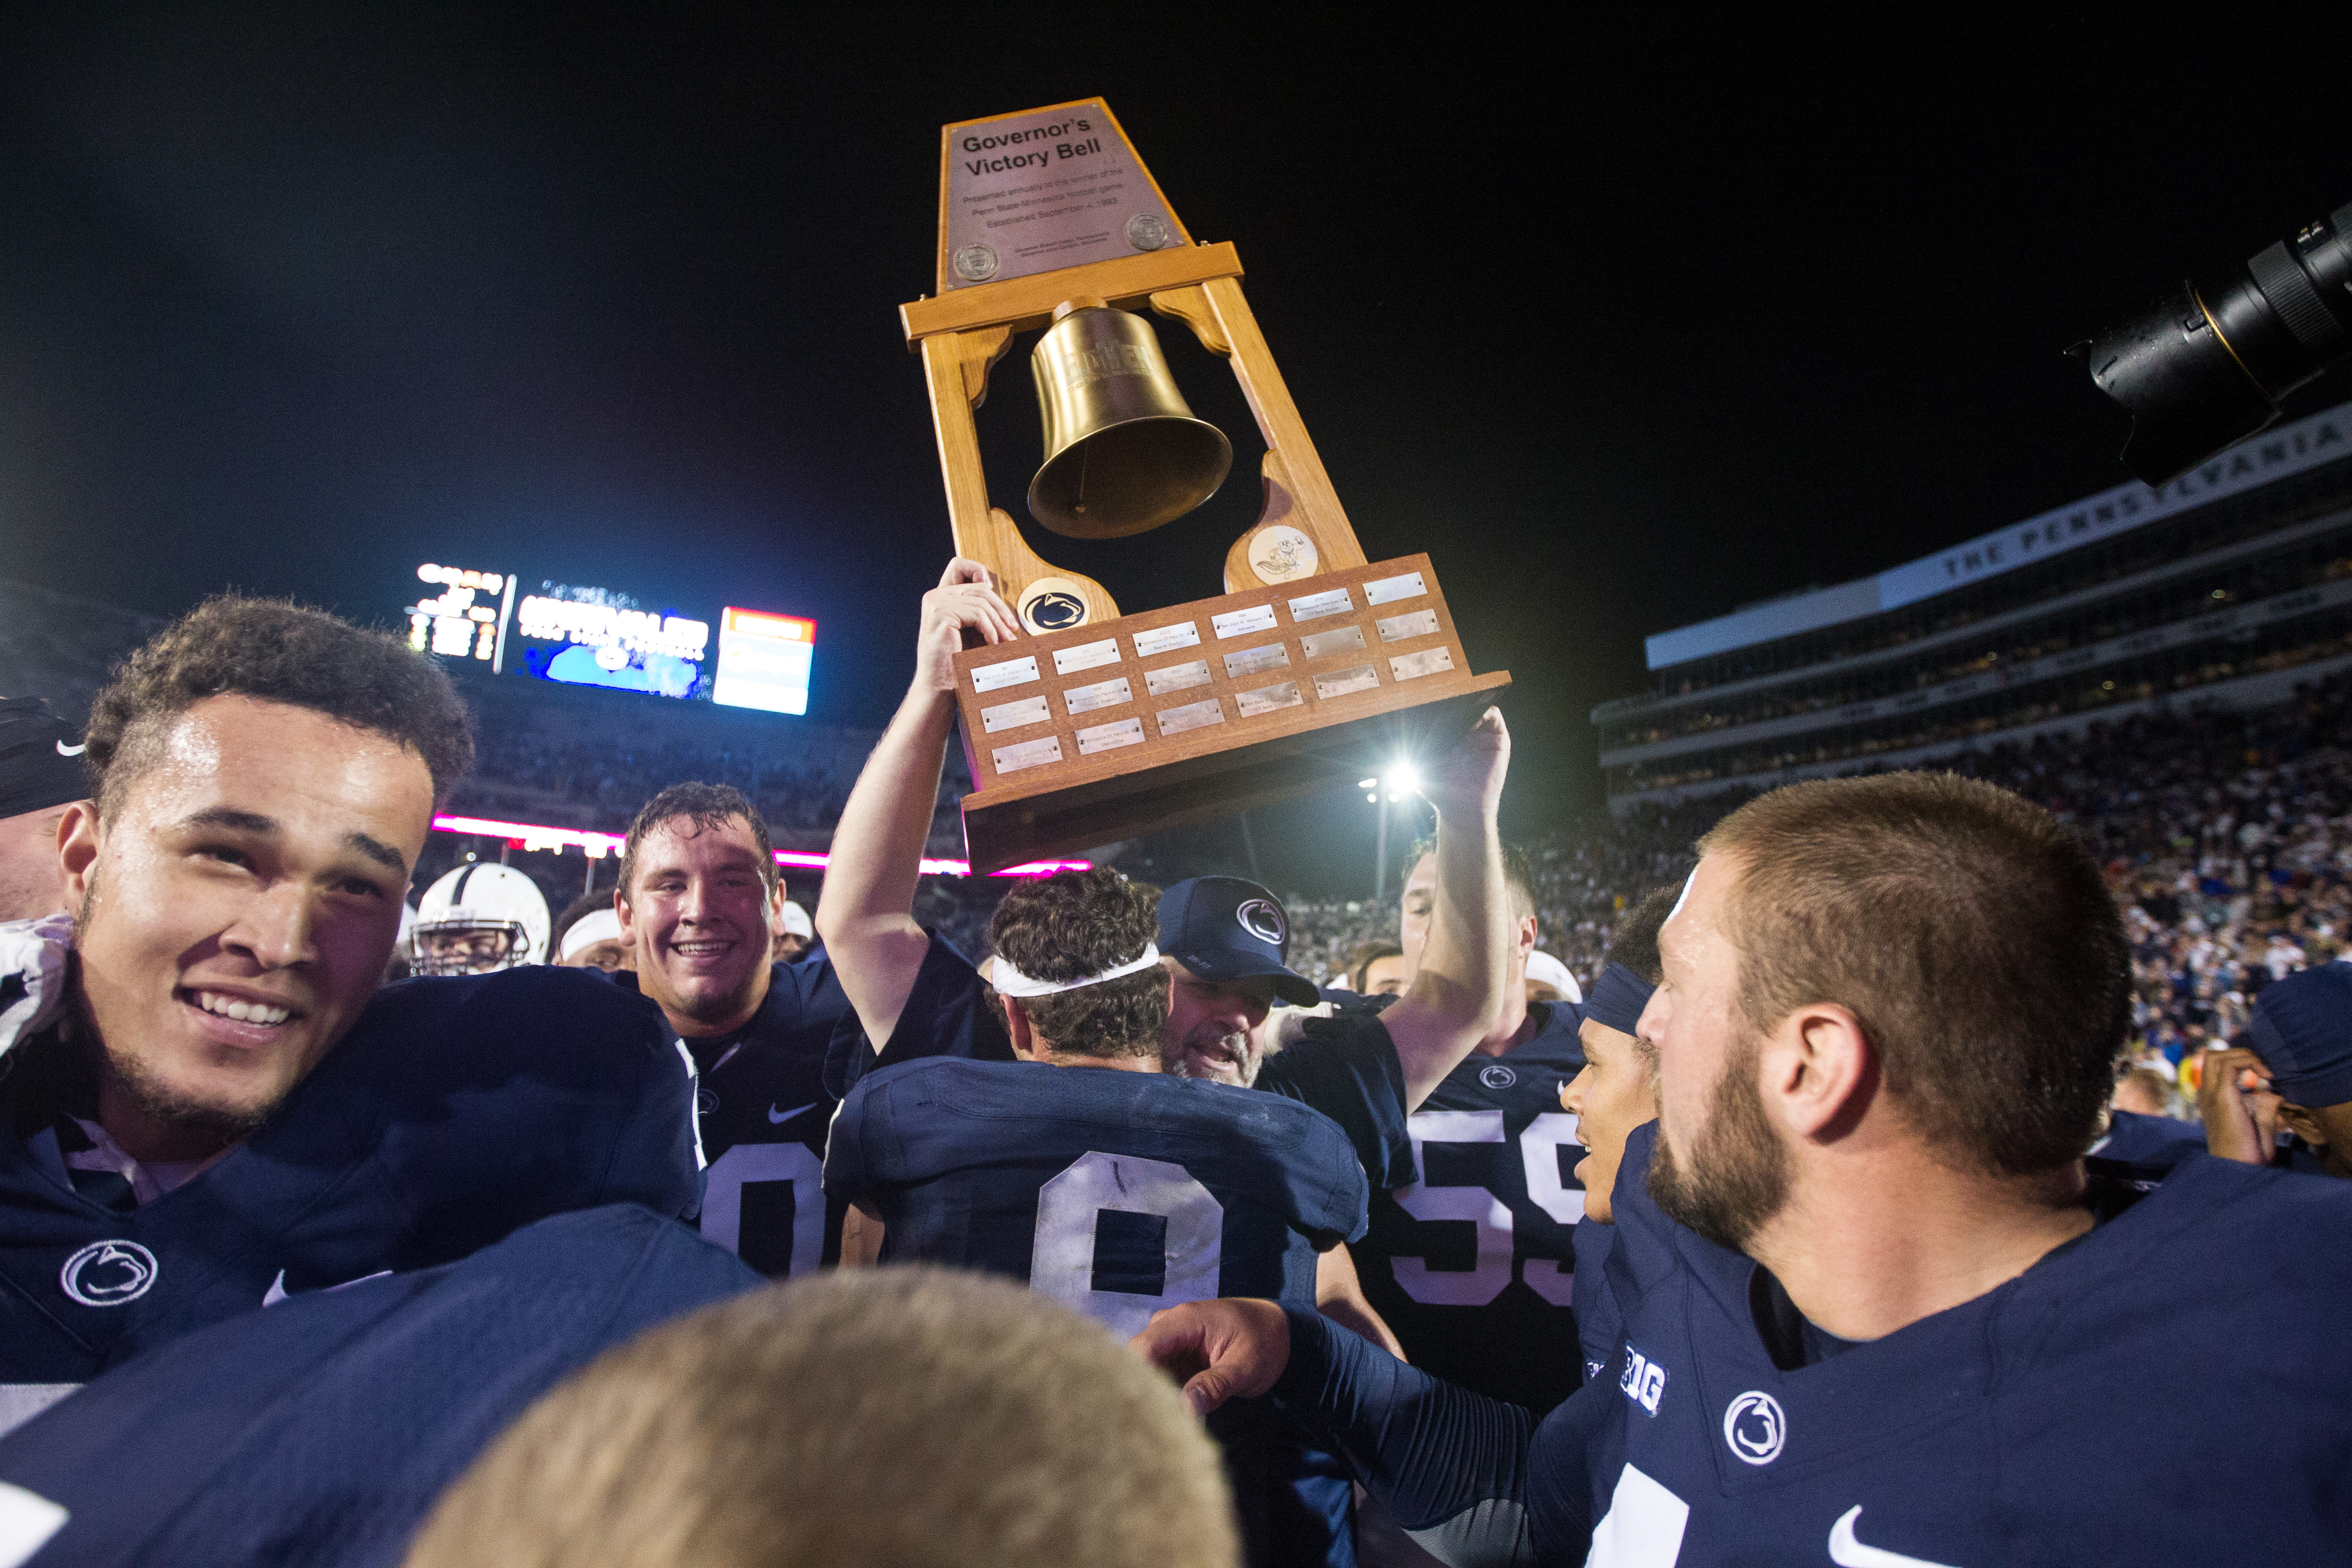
pixel 1102 725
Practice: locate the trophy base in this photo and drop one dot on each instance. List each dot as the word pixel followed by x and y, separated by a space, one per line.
pixel 1178 716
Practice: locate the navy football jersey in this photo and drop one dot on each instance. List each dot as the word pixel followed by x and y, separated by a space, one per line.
pixel 2141 1139
pixel 322 1429
pixel 1116 1193
pixel 456 1111
pixel 2024 1426
pixel 1474 1264
pixel 763 1108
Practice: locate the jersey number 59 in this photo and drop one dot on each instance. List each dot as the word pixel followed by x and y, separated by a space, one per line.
pixel 1539 1148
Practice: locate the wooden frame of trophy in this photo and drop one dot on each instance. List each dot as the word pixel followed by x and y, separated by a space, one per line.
pixel 1311 665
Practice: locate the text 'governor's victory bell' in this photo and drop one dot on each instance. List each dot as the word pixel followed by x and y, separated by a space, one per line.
pixel 1099 725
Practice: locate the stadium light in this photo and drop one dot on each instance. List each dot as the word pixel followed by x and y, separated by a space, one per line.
pixel 533 837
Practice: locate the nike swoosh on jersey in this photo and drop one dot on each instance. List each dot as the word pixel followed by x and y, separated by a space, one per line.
pixel 1848 1552
pixel 777 1118
pixel 278 1292
pixel 66 750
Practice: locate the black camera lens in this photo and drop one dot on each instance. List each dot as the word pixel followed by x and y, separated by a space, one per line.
pixel 2205 366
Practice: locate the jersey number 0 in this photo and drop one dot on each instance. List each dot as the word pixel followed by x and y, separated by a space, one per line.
pixel 1119 1237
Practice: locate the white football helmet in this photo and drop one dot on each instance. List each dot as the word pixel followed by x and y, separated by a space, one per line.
pixel 479 918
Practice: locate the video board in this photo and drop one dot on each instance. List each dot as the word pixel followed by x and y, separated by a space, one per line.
pixel 577 634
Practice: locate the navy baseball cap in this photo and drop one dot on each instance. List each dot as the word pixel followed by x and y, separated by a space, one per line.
pixel 40 758
pixel 2303 1032
pixel 1226 928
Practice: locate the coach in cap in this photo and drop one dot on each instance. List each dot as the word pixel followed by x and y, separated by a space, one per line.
pixel 2302 1043
pixel 40 775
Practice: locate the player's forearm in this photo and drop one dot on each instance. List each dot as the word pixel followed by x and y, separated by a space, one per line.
pixel 867 913
pixel 1456 995
pixel 1450 1466
pixel 1339 1296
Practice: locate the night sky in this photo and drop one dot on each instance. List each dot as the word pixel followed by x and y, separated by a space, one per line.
pixel 1624 329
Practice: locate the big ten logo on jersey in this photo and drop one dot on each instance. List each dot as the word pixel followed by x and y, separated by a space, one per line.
pixel 1462 1186
pixel 765 1204
pixel 1642 1380
pixel 1119 1237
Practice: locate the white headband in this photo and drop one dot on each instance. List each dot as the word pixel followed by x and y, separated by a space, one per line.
pixel 1011 982
pixel 598 925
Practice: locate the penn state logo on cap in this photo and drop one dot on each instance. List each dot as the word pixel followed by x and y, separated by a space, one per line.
pixel 1754 1428
pixel 1261 918
pixel 108 1273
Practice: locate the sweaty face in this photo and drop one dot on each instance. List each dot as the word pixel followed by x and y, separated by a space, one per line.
pixel 1610 1098
pixel 1213 1026
pixel 698 918
pixel 1720 1168
pixel 236 912
pixel 1387 976
pixel 31 885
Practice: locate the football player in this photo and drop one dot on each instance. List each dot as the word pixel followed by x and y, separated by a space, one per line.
pixel 212 1107
pixel 321 1429
pixel 478 918
pixel 1085 1170
pixel 1876 1309
pixel 696 902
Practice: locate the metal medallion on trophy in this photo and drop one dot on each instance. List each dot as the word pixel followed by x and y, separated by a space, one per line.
pixel 1099 725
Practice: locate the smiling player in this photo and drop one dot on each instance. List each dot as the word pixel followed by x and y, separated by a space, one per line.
pixel 698 900
pixel 207 1105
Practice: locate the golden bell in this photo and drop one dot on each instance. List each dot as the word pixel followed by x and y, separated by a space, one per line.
pixel 1123 452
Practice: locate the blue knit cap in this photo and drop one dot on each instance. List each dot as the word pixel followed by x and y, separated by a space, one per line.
pixel 2303 1032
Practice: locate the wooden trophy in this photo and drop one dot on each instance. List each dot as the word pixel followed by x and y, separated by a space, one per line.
pixel 1313 666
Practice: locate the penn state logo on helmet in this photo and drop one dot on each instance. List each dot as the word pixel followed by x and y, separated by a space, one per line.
pixel 109 1273
pixel 1755 1429
pixel 1261 917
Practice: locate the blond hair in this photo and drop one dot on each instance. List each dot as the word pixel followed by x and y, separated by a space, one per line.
pixel 905 1416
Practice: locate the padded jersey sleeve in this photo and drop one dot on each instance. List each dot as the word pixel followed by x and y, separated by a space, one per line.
pixel 846 1177
pixel 1346 1068
pixel 946 1015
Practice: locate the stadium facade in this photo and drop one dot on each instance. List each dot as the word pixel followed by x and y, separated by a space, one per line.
pixel 2229 586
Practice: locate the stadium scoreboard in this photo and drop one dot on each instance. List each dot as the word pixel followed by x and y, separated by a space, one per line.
pixel 579 636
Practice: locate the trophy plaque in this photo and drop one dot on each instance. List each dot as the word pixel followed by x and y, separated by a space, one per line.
pixel 1313 665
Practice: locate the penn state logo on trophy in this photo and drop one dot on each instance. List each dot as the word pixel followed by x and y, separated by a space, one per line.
pixel 1100 724
pixel 109 1273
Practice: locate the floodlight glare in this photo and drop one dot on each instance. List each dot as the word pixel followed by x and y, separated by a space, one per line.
pixel 1403 779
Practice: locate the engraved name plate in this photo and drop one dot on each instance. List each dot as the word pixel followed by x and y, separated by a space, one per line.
pixel 1267 699
pixel 1428 661
pixel 1013 715
pixel 1177 677
pixel 1339 683
pixel 1387 589
pixel 1167 639
pixel 1028 755
pixel 1086 656
pixel 1105 694
pixel 1315 606
pixel 1192 716
pixel 1323 645
pixel 1250 661
pixel 1012 672
pixel 1396 628
pixel 1110 737
pixel 1234 623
